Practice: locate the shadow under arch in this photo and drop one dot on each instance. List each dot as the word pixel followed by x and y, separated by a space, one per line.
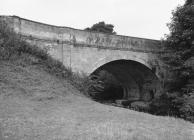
pixel 133 80
pixel 104 60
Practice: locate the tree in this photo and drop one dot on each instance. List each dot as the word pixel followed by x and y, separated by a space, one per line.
pixel 102 27
pixel 180 42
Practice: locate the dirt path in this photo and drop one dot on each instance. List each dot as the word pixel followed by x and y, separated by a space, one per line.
pixel 37 106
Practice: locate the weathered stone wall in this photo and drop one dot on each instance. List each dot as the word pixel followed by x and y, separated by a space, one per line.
pixel 80 37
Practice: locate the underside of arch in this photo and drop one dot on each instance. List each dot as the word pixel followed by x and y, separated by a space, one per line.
pixel 136 80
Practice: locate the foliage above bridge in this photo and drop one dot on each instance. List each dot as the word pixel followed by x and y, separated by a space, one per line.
pixel 102 27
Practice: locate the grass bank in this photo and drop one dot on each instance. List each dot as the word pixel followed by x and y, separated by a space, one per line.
pixel 12 47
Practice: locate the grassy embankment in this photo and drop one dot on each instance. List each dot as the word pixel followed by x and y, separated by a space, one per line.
pixel 38 100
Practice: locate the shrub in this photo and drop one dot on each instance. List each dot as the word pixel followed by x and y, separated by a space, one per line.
pixel 9 42
pixel 187 108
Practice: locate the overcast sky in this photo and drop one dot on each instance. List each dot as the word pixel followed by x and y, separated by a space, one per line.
pixel 138 18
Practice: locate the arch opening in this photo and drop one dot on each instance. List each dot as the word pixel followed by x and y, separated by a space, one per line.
pixel 124 79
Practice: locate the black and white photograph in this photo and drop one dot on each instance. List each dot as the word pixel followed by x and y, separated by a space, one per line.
pixel 96 69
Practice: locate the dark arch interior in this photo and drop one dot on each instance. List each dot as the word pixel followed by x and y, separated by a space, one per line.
pixel 126 79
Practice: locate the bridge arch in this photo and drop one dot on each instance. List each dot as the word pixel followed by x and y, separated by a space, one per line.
pixel 136 77
pixel 107 59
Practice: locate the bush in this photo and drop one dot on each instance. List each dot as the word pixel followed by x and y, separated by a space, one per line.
pixel 9 42
pixel 187 108
pixel 165 105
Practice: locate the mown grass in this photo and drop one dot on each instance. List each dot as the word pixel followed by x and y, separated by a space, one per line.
pixel 13 46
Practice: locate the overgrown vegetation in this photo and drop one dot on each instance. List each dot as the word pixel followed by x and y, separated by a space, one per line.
pixel 179 99
pixel 12 47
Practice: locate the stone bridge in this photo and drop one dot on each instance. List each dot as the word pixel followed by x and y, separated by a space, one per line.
pixel 135 62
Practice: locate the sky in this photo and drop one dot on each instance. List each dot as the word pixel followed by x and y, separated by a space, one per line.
pixel 138 18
